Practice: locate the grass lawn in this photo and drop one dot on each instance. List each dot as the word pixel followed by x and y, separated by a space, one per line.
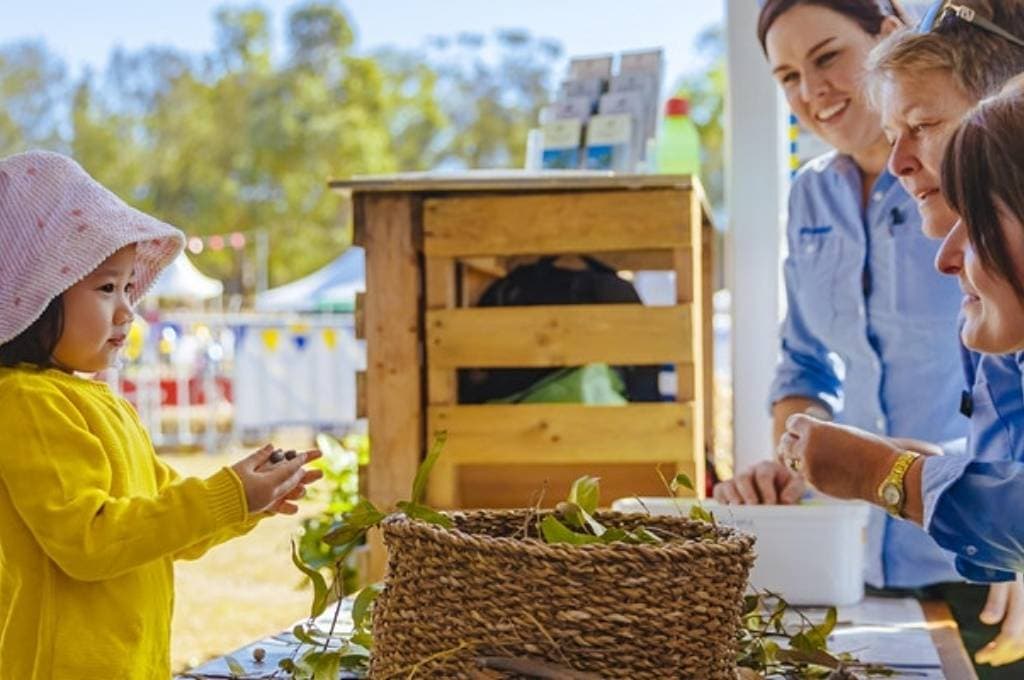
pixel 240 591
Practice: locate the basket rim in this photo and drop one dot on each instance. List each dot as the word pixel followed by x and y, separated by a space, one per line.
pixel 729 540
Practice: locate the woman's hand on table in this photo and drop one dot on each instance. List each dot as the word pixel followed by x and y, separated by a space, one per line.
pixel 839 461
pixel 1006 605
pixel 767 483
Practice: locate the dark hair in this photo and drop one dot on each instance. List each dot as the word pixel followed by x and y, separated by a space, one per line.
pixel 36 343
pixel 867 13
pixel 982 171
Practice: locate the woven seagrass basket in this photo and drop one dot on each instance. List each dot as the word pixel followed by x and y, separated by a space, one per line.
pixel 490 587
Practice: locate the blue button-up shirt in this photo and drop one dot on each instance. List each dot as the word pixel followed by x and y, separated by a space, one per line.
pixel 871 331
pixel 969 500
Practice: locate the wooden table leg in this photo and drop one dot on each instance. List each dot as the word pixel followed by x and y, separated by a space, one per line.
pixel 956 663
pixel 394 388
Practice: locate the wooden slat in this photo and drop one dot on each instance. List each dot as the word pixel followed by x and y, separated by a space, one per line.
pixel 707 326
pixel 537 224
pixel 564 434
pixel 393 332
pixel 519 485
pixel 565 335
pixel 511 181
pixel 359 316
pixel 626 260
pixel 442 389
pixel 361 400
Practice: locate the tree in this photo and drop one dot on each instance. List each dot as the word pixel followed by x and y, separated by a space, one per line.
pixel 237 140
pixel 706 92
pixel 33 88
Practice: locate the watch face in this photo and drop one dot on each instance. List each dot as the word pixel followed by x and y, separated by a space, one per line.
pixel 891 494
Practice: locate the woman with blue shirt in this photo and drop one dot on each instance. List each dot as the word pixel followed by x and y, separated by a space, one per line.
pixel 869 337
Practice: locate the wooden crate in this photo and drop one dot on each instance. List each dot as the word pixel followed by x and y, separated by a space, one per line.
pixel 432 245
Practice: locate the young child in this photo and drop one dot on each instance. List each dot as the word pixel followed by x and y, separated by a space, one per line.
pixel 90 519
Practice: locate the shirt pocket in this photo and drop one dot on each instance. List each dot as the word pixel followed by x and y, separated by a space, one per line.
pixel 988 438
pixel 816 258
pixel 919 291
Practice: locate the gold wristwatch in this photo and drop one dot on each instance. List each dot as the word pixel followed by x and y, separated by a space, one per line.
pixel 891 493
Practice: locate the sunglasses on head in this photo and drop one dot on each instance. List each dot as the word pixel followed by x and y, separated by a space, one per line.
pixel 944 8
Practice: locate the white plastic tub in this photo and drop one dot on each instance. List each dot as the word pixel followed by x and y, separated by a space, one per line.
pixel 810 554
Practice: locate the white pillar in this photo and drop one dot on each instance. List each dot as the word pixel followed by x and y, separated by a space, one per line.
pixel 756 179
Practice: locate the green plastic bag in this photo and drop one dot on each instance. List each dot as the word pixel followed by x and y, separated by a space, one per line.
pixel 593 384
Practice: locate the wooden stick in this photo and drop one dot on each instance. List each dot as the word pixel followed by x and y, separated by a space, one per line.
pixel 533 668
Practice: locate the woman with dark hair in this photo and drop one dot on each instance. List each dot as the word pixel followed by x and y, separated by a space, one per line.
pixel 865 304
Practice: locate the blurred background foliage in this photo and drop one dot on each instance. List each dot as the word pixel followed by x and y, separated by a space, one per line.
pixel 234 140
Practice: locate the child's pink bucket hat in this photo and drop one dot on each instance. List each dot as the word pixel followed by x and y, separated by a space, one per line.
pixel 57 225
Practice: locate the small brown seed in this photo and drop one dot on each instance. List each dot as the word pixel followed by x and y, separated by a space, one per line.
pixel 276 456
pixel 289 455
pixel 258 654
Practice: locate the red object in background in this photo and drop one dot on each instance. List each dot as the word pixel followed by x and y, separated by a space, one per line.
pixel 169 391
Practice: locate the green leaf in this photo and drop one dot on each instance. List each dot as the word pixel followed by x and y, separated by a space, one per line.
pixel 304 636
pixel 425 514
pixel 363 639
pixel 644 535
pixel 343 533
pixel 682 480
pixel 699 513
pixel 328 666
pixel 319 583
pixel 362 605
pixel 818 657
pixel 354 524
pixel 419 484
pixel 235 667
pixel 616 534
pixel 586 493
pixel 556 532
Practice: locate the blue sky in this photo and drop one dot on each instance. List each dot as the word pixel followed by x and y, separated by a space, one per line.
pixel 83 33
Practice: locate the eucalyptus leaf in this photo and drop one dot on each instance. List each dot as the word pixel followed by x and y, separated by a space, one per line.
pixel 419 484
pixel 362 605
pixel 700 513
pixel 682 480
pixel 817 657
pixel 586 493
pixel 556 532
pixel 235 667
pixel 303 635
pixel 328 666
pixel 644 535
pixel 425 514
pixel 343 533
pixel 319 584
pixel 353 524
pixel 363 639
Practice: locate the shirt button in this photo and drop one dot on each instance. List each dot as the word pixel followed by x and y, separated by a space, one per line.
pixel 880 424
pixel 971 550
pixel 877 196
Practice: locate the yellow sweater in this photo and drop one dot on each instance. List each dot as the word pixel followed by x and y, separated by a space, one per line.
pixel 90 523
